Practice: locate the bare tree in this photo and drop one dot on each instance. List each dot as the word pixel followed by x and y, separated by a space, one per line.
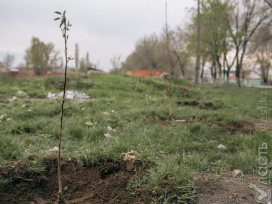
pixel 180 41
pixel 249 15
pixel 9 59
pixel 261 51
pixel 269 3
pixel 115 62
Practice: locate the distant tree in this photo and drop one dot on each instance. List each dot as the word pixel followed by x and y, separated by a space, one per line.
pixel 9 59
pixel 61 63
pixel 77 57
pixel 261 51
pixel 179 42
pixel 88 63
pixel 144 57
pixel 115 62
pixel 269 3
pixel 82 65
pixel 214 39
pixel 41 57
pixel 248 17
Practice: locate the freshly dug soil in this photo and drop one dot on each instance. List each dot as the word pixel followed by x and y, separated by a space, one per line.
pixel 245 127
pixel 158 121
pixel 81 184
pixel 187 103
pixel 211 106
pixel 208 105
pixel 230 128
pixel 226 190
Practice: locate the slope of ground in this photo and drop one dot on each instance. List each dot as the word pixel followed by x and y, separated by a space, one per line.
pixel 133 112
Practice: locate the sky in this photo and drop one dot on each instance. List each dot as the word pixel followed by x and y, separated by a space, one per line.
pixel 104 28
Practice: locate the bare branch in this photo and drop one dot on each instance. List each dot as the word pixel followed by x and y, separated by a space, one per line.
pixel 66 108
pixel 58 101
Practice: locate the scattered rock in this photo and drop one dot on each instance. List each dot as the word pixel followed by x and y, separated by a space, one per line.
pixel 14 98
pixel 2 116
pixel 108 135
pixel 236 173
pixel 105 113
pixel 23 105
pixel 89 123
pixel 221 146
pixel 55 149
pixel 22 93
pixel 130 155
pixel 110 129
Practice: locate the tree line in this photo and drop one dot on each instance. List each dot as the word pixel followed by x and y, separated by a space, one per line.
pixel 42 58
pixel 234 34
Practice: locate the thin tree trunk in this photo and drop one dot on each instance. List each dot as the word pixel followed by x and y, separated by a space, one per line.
pixel 238 83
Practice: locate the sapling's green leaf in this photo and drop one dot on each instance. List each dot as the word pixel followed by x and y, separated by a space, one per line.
pixel 62 21
pixel 63 35
pixel 57 12
pixel 67 37
pixel 56 19
pixel 64 13
pixel 70 25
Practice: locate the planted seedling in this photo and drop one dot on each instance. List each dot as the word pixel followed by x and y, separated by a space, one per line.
pixel 64 26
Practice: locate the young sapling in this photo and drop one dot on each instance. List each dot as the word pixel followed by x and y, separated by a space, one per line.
pixel 64 28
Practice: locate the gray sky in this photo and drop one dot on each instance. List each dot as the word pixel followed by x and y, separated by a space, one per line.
pixel 103 28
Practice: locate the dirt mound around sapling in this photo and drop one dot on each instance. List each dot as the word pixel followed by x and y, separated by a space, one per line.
pixel 107 183
pixel 158 121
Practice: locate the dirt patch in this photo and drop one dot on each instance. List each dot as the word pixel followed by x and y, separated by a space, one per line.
pixel 208 105
pixel 211 106
pixel 230 128
pixel 225 189
pixel 187 103
pixel 81 184
pixel 244 127
pixel 158 121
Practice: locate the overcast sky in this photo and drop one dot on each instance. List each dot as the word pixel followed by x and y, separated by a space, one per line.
pixel 103 28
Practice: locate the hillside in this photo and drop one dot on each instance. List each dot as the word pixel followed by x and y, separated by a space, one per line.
pixel 174 155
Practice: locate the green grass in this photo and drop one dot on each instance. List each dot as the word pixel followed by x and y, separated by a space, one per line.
pixel 184 146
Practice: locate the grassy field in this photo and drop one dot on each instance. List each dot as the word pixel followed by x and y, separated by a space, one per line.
pixel 178 150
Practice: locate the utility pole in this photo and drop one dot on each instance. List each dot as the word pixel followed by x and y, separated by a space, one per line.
pixel 197 47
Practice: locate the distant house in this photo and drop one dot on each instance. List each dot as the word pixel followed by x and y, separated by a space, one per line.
pixel 7 71
pixel 13 72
